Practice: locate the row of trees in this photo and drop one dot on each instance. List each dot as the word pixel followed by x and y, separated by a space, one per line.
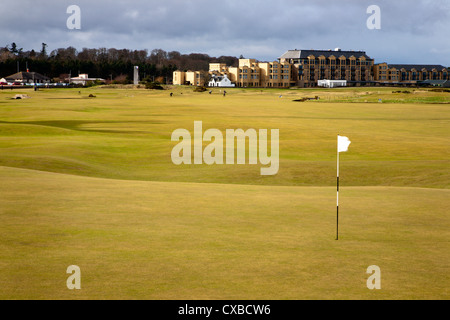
pixel 111 64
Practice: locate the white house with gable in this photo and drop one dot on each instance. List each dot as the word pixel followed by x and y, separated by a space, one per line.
pixel 220 81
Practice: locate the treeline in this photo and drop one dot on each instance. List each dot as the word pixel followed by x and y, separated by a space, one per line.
pixel 113 65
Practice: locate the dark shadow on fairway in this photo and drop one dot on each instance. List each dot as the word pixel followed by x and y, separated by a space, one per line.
pixel 77 98
pixel 76 125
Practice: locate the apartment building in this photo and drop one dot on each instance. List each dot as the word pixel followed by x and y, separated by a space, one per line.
pixel 276 74
pixel 252 73
pixel 385 73
pixel 179 77
pixel 193 78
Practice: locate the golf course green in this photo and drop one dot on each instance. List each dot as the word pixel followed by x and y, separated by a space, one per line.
pixel 87 179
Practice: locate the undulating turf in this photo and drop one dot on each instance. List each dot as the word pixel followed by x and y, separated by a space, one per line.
pixel 90 182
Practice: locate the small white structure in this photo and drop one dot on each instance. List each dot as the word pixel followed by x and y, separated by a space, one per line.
pixel 220 81
pixel 332 83
pixel 84 79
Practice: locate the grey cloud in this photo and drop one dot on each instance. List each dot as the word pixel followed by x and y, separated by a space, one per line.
pixel 411 29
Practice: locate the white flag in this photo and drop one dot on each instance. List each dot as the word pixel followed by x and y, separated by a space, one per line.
pixel 343 143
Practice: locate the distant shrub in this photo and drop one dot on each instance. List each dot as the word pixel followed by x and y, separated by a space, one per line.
pixel 75 85
pixel 93 83
pixel 153 86
pixel 122 79
pixel 306 99
pixel 440 90
pixel 406 91
pixel 200 89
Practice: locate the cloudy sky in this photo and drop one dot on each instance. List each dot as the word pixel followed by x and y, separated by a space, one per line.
pixel 412 31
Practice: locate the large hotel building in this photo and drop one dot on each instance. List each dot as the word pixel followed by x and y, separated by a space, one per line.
pixel 304 68
pixel 313 65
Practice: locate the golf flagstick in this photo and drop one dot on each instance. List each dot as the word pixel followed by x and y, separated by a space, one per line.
pixel 337 195
pixel 342 146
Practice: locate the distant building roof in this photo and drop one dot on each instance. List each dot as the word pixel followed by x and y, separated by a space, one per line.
pixel 291 54
pixel 409 67
pixel 218 78
pixel 26 76
pixel 303 54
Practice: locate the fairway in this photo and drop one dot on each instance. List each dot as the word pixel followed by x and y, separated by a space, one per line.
pixel 89 181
